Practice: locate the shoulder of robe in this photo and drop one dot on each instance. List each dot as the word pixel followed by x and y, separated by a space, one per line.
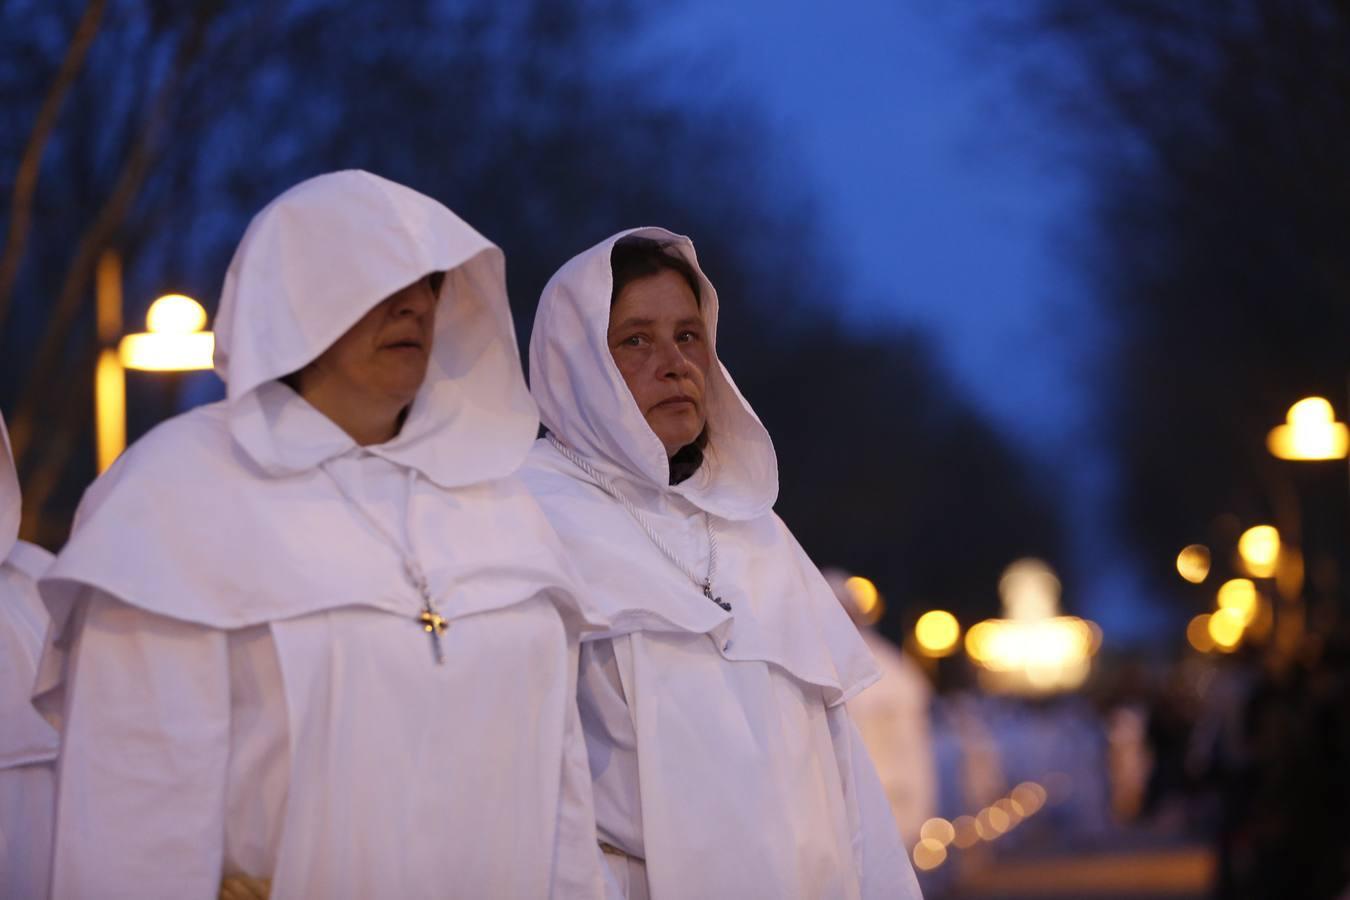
pixel 852 658
pixel 186 457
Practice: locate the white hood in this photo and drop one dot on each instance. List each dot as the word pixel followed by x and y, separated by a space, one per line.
pixel 584 401
pixel 229 515
pixel 11 501
pixel 325 253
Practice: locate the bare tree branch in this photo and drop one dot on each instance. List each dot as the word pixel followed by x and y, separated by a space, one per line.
pixel 73 296
pixel 26 177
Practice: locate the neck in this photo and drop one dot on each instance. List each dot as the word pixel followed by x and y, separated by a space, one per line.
pixel 367 421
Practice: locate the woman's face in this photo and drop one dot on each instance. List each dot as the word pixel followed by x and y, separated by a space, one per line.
pixel 660 344
pixel 383 358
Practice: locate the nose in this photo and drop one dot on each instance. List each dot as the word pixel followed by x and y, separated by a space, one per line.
pixel 672 362
pixel 415 300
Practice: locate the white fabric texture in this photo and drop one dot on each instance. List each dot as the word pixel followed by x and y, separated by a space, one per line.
pixel 236 654
pixel 719 745
pixel 28 744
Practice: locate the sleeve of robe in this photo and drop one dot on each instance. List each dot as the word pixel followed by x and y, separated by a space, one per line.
pixel 141 785
pixel 883 863
pixel 577 868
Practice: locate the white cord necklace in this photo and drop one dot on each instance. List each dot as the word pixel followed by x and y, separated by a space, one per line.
pixel 704 584
pixel 433 623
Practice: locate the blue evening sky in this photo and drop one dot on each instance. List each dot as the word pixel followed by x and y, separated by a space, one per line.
pixel 952 208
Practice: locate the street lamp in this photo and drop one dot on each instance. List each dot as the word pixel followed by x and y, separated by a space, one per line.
pixel 1310 432
pixel 175 340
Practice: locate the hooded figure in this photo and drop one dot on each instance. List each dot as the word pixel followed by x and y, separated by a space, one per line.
pixel 27 743
pixel 892 717
pixel 723 759
pixel 284 650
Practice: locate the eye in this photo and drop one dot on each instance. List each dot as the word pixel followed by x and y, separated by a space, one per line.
pixel 688 336
pixel 633 340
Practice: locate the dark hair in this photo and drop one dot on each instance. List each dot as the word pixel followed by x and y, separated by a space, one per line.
pixel 634 258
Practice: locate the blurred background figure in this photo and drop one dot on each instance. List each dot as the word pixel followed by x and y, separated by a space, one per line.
pixel 28 744
pixel 892 714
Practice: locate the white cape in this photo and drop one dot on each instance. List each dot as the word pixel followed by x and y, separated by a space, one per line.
pixel 28 744
pixel 720 747
pixel 238 661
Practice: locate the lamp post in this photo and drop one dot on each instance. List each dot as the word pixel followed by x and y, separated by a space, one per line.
pixel 175 340
pixel 1310 433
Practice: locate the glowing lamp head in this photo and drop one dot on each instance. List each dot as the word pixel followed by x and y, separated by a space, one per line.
pixel 175 314
pixel 175 339
pixel 1310 432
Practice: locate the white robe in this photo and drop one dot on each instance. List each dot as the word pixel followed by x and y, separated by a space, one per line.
pixel 723 758
pixel 28 744
pixel 237 655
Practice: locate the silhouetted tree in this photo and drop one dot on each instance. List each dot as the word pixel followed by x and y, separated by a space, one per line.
pixel 1215 137
pixel 182 119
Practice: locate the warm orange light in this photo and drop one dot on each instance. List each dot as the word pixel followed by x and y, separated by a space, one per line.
pixel 1238 595
pixel 1030 796
pixel 1259 548
pixel 1197 633
pixel 938 829
pixel 864 593
pixel 1226 627
pixel 110 409
pixel 937 633
pixel 967 832
pixel 1010 808
pixel 1193 563
pixel 174 341
pixel 992 823
pixel 929 854
pixel 1310 432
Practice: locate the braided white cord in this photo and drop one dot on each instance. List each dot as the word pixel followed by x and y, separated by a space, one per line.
pixel 606 485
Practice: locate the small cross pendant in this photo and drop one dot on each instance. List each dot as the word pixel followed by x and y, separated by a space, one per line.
pixel 434 624
pixel 707 592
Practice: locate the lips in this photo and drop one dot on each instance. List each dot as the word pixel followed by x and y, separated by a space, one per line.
pixel 409 343
pixel 674 401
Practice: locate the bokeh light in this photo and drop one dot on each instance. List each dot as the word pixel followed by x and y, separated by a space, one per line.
pixel 1225 628
pixel 938 829
pixel 937 633
pixel 1193 563
pixel 1197 633
pixel 929 854
pixel 1259 548
pixel 1239 595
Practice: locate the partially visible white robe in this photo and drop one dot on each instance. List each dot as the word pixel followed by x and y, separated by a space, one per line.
pixel 892 717
pixel 28 744
pixel 720 746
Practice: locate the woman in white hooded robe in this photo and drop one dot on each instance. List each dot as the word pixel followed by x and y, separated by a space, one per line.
pixel 302 642
pixel 723 759
pixel 28 744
